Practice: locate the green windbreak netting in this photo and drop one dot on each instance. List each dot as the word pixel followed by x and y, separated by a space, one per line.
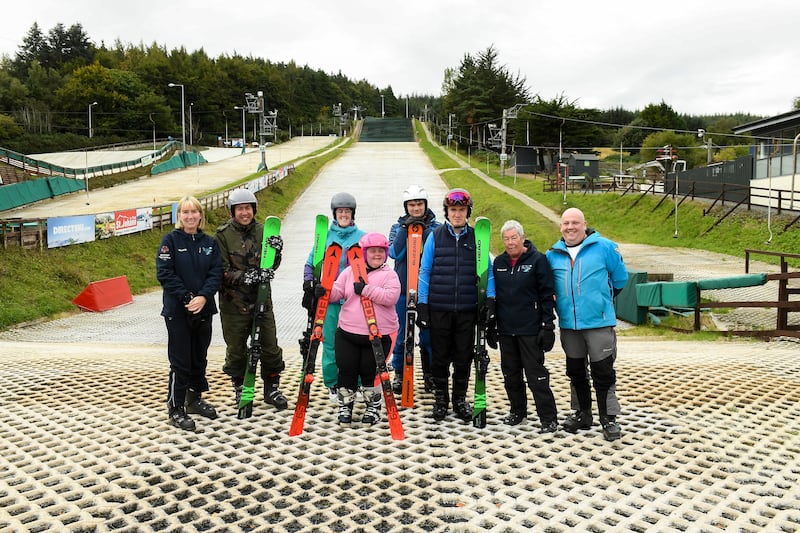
pixel 178 161
pixel 27 192
pixel 387 130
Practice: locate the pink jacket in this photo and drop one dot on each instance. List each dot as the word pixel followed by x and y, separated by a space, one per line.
pixel 383 288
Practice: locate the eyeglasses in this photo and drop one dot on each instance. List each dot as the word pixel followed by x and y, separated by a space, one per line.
pixel 457 198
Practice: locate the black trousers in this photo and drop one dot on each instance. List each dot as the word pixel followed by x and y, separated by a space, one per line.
pixel 356 359
pixel 452 343
pixel 188 339
pixel 518 355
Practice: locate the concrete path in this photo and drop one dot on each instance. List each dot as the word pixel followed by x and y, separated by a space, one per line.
pixel 710 430
pixel 166 188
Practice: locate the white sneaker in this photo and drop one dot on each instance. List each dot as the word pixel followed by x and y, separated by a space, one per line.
pixel 333 392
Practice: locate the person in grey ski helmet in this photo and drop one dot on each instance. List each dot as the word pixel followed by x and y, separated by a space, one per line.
pixel 240 243
pixel 344 231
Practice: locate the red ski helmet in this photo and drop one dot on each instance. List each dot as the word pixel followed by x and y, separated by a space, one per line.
pixel 374 239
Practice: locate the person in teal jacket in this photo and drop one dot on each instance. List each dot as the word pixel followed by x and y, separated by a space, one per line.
pixel 344 231
pixel 589 272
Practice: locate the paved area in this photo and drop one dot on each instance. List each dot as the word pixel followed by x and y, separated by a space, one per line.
pixel 230 166
pixel 711 431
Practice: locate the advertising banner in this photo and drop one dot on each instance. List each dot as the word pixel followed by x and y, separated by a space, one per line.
pixel 63 231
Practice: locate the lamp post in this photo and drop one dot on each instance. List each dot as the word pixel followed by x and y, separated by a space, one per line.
pixel 90 118
pixel 191 140
pixel 183 113
pixel 226 128
pixel 383 114
pixel 154 131
pixel 244 126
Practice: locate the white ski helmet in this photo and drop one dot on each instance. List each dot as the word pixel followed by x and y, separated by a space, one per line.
pixel 343 199
pixel 414 192
pixel 242 196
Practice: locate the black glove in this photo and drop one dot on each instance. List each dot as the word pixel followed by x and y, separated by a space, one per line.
pixel 423 316
pixel 491 313
pixel 546 339
pixel 359 285
pixel 491 337
pixel 408 220
pixel 308 295
pixel 187 298
pixel 275 242
pixel 319 291
pixel 256 276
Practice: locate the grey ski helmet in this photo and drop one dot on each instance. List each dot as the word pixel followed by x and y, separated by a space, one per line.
pixel 242 196
pixel 343 199
pixel 414 192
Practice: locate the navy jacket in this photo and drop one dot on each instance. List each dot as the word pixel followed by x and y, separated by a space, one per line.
pixel 188 264
pixel 524 292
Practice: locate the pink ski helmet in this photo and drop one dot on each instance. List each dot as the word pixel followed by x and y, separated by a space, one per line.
pixel 374 239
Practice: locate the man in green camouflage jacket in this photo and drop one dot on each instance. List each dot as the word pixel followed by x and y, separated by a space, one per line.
pixel 239 241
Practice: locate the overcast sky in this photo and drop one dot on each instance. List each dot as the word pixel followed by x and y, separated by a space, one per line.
pixel 698 56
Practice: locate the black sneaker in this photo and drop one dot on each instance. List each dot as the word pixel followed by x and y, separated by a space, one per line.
pixel 513 418
pixel 549 427
pixel 611 430
pixel 577 420
pixel 179 419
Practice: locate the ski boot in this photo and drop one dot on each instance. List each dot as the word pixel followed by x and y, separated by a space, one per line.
pixel 179 418
pixel 397 383
pixel 549 427
pixel 237 384
pixel 346 398
pixel 372 414
pixel 427 382
pixel 333 394
pixel 441 399
pixel 273 395
pixel 196 405
pixel 581 419
pixel 611 429
pixel 461 406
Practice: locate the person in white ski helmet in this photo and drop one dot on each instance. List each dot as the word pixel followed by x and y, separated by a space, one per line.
pixel 415 210
pixel 344 231
pixel 240 245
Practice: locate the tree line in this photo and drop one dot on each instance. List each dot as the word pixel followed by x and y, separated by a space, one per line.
pixel 58 79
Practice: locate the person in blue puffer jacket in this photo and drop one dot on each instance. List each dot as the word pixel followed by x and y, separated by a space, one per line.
pixel 589 272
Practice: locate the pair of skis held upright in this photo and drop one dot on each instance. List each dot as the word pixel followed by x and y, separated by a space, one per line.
pixel 325 270
pixel 483 229
pixel 326 266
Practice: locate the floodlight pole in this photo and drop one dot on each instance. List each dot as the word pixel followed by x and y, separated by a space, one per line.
pixel 183 113
pixel 90 118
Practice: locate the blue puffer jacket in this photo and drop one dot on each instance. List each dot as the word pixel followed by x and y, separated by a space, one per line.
pixel 585 287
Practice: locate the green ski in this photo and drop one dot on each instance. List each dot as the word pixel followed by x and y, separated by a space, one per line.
pixel 272 227
pixel 483 231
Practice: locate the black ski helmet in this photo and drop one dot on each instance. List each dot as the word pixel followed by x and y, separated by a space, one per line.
pixel 343 199
pixel 457 197
pixel 242 196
